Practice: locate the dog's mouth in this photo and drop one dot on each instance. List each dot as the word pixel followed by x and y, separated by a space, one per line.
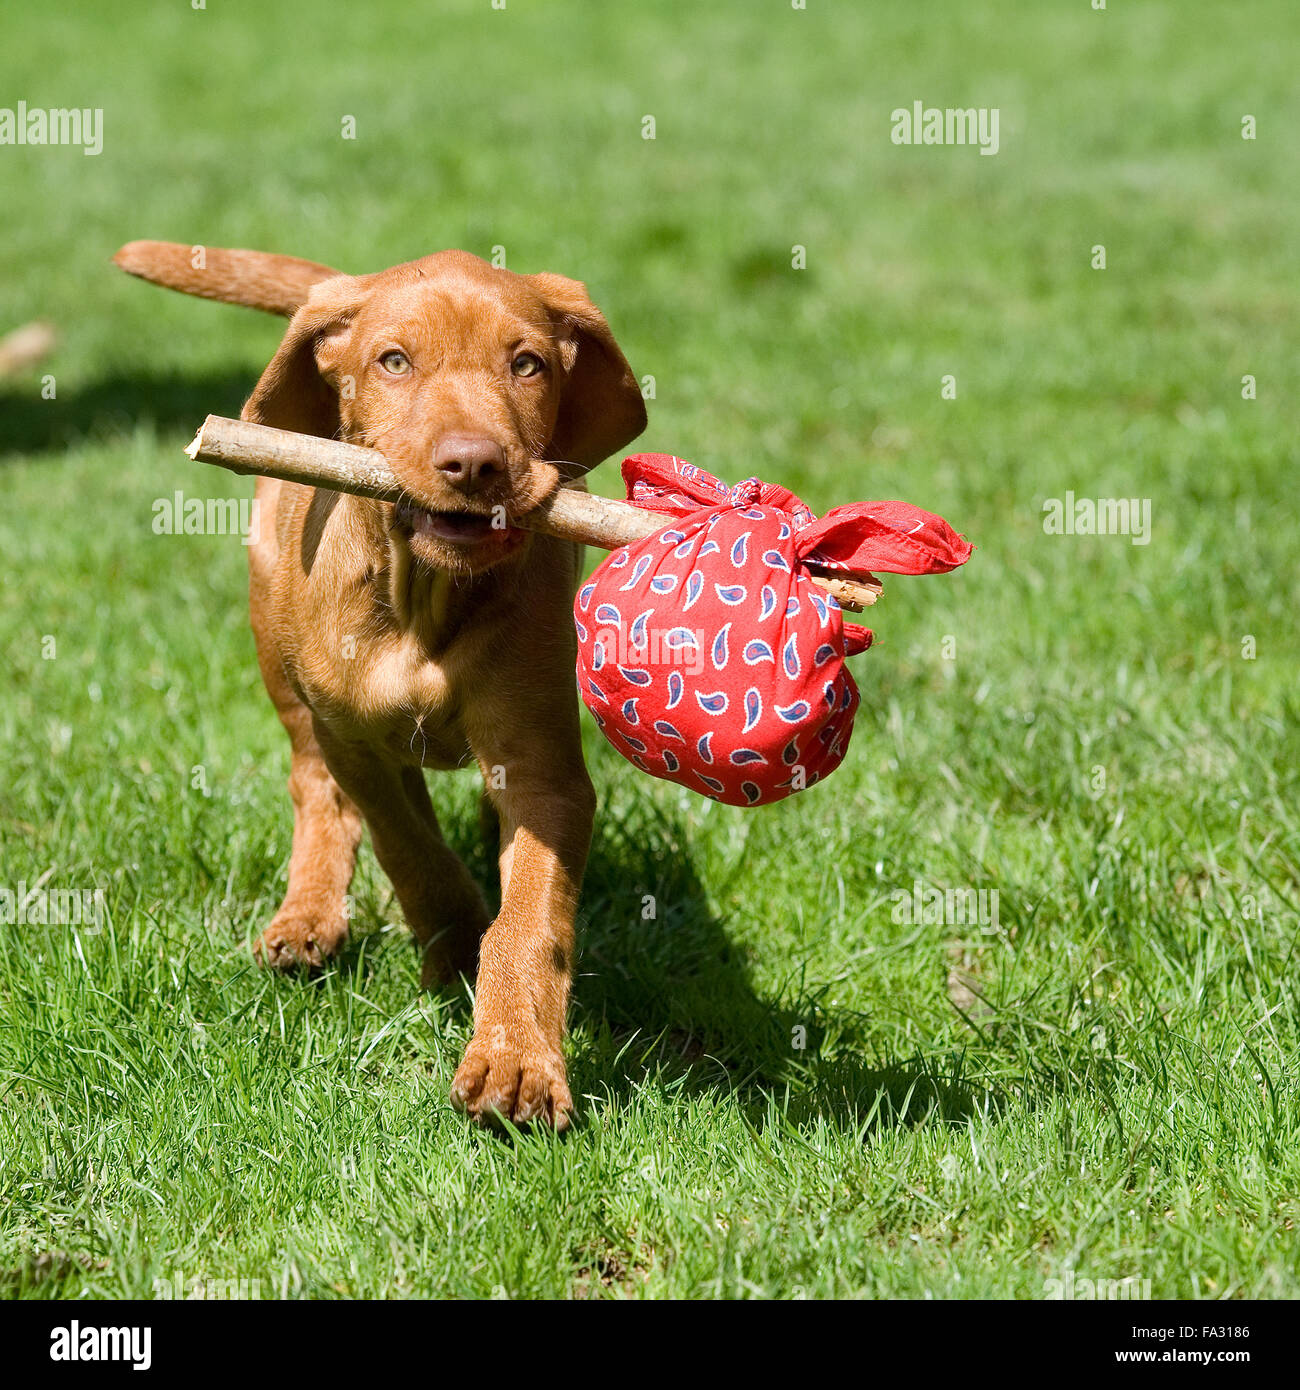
pixel 460 528
pixel 457 537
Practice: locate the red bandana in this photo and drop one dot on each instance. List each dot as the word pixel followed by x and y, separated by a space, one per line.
pixel 706 653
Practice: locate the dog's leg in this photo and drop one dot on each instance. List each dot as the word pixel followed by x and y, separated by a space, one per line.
pixel 448 914
pixel 514 1065
pixel 312 922
pixel 442 904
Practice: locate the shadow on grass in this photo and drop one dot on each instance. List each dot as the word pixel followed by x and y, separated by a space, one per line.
pixel 116 405
pixel 665 999
pixel 671 1000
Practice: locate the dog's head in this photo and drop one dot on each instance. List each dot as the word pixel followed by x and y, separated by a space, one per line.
pixel 464 376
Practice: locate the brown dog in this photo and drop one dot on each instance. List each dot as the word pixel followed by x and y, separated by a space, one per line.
pixel 394 638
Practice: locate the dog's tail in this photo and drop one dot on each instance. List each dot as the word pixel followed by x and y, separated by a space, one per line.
pixel 257 279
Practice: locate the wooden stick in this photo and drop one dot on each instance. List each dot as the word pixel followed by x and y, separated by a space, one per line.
pixel 568 513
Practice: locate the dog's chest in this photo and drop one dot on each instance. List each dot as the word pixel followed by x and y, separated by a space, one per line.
pixel 390 695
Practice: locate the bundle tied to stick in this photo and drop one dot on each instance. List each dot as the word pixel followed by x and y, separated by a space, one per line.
pixel 712 641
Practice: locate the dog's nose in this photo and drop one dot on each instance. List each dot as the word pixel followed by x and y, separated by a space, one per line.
pixel 469 462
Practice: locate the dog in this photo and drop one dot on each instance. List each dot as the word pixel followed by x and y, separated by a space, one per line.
pixel 394 637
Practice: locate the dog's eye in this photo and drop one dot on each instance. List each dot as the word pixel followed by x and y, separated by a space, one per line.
pixel 398 363
pixel 527 364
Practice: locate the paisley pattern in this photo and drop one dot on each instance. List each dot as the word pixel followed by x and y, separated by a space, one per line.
pixel 722 628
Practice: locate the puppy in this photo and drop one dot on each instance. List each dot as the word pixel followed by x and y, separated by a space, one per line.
pixel 394 638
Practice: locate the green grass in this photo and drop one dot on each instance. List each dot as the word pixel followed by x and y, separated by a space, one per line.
pixel 1106 1081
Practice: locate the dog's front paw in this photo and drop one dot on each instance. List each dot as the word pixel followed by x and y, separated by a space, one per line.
pixel 295 939
pixel 502 1078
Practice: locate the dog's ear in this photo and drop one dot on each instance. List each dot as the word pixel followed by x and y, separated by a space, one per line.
pixel 299 388
pixel 601 408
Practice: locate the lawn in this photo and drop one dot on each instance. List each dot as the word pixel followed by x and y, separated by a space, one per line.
pixel 783 1089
